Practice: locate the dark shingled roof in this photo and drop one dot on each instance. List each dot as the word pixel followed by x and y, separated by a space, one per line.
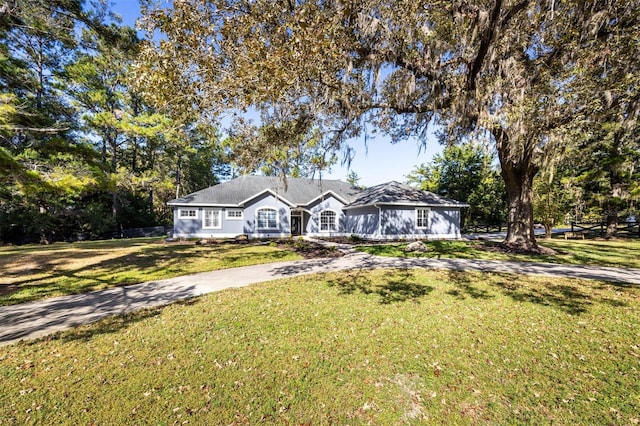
pixel 298 192
pixel 394 193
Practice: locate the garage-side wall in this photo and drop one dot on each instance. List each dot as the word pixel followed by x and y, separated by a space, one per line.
pixel 445 223
pixel 400 222
pixel 363 222
pixel 394 222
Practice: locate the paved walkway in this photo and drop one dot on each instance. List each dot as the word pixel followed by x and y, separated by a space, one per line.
pixel 40 318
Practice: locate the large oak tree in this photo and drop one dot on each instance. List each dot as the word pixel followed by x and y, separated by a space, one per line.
pixel 519 71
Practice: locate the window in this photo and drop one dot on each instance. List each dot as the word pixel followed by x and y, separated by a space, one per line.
pixel 234 214
pixel 211 219
pixel 187 213
pixel 422 218
pixel 267 219
pixel 328 221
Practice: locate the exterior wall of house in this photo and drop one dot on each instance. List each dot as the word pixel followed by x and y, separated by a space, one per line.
pixel 194 227
pixel 231 227
pixel 445 223
pixel 392 222
pixel 363 222
pixel 312 222
pixel 267 201
pixel 400 222
pixel 386 222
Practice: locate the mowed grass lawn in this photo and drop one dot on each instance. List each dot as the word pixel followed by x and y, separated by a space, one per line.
pixel 378 347
pixel 614 253
pixel 34 272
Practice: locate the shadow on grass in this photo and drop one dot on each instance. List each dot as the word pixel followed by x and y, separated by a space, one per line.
pixel 149 263
pixel 565 298
pixel 78 245
pixel 108 310
pixel 113 324
pixel 464 286
pixel 398 286
pixel 616 253
pixel 574 299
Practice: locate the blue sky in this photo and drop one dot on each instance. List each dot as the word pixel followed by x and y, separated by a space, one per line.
pixel 377 162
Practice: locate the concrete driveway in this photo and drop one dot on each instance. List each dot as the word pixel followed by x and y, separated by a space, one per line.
pixel 40 318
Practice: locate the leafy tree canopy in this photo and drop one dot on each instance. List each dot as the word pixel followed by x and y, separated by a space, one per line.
pixel 518 70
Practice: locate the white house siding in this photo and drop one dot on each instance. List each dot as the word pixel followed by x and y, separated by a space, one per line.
pixel 363 222
pixel 312 224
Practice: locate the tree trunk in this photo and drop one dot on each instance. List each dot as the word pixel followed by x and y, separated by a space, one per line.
pixel 519 185
pixel 178 176
pixel 518 170
pixel 612 224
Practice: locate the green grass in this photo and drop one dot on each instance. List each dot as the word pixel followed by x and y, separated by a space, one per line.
pixel 383 347
pixel 34 272
pixel 619 253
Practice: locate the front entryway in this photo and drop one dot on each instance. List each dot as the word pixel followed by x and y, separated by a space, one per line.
pixel 296 225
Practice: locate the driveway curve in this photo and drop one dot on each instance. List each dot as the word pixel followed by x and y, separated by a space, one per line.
pixel 40 318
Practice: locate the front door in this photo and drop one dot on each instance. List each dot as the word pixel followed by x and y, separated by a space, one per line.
pixel 296 225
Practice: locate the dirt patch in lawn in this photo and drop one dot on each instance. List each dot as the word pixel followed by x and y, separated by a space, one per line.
pixel 311 250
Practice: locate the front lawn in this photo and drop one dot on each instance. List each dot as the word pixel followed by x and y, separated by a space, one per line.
pixel 616 253
pixel 380 347
pixel 33 272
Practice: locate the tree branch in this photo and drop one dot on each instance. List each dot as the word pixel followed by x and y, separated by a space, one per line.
pixel 495 23
pixel 35 129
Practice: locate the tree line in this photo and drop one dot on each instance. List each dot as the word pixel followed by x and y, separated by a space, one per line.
pixel 99 128
pixel 81 153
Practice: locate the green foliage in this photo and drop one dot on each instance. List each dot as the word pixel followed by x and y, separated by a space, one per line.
pixel 464 173
pixel 354 179
pixel 299 243
pixel 281 146
pixel 556 198
pixel 607 172
pixel 80 150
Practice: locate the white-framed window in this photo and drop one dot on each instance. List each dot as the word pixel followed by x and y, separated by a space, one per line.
pixel 211 219
pixel 422 218
pixel 328 221
pixel 233 214
pixel 187 213
pixel 267 218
